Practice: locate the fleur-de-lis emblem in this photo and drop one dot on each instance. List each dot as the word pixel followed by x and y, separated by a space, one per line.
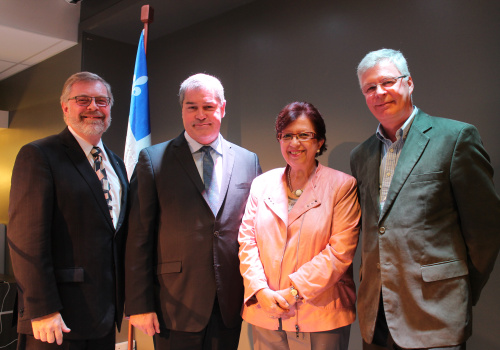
pixel 136 90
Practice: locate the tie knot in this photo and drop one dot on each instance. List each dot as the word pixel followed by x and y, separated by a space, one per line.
pixel 96 151
pixel 206 149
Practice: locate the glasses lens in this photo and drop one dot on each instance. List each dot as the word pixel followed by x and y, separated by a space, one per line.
pixel 388 82
pixel 369 89
pixel 83 100
pixel 304 136
pixel 385 84
pixel 101 101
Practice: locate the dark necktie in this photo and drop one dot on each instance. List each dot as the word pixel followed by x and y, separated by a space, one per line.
pixel 101 174
pixel 210 180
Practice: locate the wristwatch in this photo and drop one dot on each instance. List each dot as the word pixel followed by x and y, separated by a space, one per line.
pixel 294 292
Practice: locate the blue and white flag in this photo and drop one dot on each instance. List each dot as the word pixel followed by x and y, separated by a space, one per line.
pixel 139 130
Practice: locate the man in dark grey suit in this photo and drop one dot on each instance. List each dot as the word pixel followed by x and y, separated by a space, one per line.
pixel 187 199
pixel 430 216
pixel 67 227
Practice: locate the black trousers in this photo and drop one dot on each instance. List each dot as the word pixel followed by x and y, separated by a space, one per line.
pixel 215 336
pixel 28 342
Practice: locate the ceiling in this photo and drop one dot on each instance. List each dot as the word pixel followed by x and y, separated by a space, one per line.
pixel 30 33
pixel 120 20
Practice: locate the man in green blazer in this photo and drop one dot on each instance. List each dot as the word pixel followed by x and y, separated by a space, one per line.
pixel 430 216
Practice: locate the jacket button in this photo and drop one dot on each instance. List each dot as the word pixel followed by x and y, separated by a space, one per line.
pixel 381 230
pixel 216 233
pixel 378 266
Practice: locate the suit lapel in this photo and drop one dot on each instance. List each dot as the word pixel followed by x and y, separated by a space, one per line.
pixel 185 158
pixel 306 201
pixel 124 184
pixel 277 201
pixel 76 155
pixel 412 151
pixel 372 174
pixel 227 169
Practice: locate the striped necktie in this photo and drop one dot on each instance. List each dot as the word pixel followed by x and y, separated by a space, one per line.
pixel 101 174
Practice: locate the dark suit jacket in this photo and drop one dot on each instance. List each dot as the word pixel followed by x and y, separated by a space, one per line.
pixel 432 248
pixel 66 254
pixel 179 256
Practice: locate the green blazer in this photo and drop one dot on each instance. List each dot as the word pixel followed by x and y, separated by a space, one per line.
pixel 431 249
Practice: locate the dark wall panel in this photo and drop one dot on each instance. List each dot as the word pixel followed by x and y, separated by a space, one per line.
pixel 114 61
pixel 270 53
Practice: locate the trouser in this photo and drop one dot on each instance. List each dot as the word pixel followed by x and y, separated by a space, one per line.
pixel 28 342
pixel 215 336
pixel 267 339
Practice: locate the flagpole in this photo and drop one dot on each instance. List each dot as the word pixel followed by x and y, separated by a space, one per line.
pixel 147 17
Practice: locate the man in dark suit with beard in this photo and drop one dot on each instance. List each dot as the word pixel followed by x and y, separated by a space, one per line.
pixel 67 227
pixel 187 199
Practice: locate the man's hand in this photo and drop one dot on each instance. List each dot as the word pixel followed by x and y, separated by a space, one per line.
pixel 148 323
pixel 49 328
pixel 272 302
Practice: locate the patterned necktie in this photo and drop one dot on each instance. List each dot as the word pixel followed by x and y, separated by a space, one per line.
pixel 101 174
pixel 210 180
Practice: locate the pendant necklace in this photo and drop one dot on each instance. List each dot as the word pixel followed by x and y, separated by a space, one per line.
pixel 297 192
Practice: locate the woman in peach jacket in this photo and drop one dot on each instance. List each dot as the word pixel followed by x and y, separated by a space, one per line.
pixel 297 240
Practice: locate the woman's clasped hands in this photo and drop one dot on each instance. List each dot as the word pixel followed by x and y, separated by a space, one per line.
pixel 276 303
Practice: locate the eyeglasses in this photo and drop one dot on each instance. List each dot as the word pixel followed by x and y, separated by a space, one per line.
pixel 385 84
pixel 302 136
pixel 85 101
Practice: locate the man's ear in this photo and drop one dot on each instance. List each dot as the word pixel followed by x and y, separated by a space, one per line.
pixel 410 84
pixel 64 107
pixel 223 109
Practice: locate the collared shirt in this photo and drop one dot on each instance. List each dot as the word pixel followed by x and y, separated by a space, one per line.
pixel 389 155
pixel 114 182
pixel 216 153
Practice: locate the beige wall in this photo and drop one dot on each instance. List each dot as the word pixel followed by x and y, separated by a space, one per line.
pixel 32 96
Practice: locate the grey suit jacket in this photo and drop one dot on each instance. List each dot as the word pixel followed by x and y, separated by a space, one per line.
pixel 66 254
pixel 432 248
pixel 179 255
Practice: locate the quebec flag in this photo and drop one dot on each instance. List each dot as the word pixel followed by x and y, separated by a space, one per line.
pixel 139 130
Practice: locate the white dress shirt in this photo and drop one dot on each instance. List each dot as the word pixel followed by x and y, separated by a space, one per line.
pixel 216 154
pixel 114 182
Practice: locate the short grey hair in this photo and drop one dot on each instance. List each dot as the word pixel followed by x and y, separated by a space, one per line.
pixel 375 57
pixel 84 76
pixel 202 81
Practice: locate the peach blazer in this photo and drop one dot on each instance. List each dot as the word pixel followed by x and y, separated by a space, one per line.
pixel 311 247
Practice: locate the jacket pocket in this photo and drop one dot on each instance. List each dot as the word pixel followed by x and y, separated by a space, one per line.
pixel 243 186
pixel 444 270
pixel 169 267
pixel 73 274
pixel 425 177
